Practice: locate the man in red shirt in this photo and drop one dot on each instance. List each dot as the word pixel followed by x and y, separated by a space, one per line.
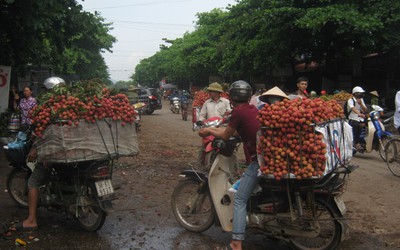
pixel 244 122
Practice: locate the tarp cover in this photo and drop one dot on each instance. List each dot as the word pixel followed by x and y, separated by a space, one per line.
pixel 86 141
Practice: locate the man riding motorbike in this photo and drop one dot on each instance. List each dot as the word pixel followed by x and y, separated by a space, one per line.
pixel 216 106
pixel 38 177
pixel 357 109
pixel 243 122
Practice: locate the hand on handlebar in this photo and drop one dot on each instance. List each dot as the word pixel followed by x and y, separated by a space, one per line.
pixel 204 132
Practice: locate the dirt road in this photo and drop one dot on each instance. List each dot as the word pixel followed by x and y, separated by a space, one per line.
pixel 143 218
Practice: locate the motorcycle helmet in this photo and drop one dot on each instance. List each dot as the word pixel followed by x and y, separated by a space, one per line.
pixel 358 89
pixel 273 95
pixel 52 81
pixel 240 91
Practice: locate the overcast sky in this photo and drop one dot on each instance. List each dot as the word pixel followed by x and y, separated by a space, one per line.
pixel 140 25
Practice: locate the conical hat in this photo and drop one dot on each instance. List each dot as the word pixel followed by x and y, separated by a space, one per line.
pixel 375 93
pixel 275 91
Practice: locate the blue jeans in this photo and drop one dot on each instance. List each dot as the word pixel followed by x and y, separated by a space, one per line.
pixel 248 182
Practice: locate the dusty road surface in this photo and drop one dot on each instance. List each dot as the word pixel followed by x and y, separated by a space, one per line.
pixel 142 217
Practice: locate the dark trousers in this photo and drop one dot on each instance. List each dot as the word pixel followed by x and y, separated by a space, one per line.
pixel 358 128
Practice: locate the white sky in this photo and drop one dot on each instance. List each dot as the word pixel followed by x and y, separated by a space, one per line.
pixel 140 25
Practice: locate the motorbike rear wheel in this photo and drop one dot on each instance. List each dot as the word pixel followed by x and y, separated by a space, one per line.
pixel 392 156
pixel 17 186
pixel 90 215
pixel 192 209
pixel 330 231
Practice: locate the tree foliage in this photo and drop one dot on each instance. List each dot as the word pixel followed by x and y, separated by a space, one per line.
pixel 54 33
pixel 255 36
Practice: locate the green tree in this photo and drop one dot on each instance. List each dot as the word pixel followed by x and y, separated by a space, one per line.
pixel 54 33
pixel 255 36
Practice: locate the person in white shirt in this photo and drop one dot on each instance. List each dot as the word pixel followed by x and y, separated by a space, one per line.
pixel 255 100
pixel 397 111
pixel 357 110
pixel 216 106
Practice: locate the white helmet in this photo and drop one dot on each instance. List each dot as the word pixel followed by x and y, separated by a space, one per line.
pixel 50 82
pixel 358 90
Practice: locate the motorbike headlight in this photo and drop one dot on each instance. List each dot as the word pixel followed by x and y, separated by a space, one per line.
pixel 376 115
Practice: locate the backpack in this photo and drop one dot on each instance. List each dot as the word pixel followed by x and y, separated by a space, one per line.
pixel 346 110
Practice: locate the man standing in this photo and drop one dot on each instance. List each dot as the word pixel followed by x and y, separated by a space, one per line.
pixel 302 84
pixel 397 111
pixel 216 106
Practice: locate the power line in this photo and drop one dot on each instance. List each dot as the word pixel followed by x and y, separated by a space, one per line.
pixel 148 23
pixel 149 30
pixel 141 4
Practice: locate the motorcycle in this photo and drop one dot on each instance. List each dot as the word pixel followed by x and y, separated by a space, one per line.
pixel 185 107
pixel 81 189
pixel 139 107
pixel 308 214
pixel 175 105
pixel 375 135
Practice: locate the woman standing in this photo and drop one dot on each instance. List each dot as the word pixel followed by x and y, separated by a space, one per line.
pixel 25 105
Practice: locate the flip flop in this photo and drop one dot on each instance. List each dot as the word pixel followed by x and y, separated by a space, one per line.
pixel 20 228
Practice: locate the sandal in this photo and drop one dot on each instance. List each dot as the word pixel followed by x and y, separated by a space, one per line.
pixel 20 228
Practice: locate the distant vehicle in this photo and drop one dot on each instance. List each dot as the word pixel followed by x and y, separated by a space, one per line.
pixel 151 98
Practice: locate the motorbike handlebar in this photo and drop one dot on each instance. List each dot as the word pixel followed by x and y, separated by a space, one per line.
pixel 218 143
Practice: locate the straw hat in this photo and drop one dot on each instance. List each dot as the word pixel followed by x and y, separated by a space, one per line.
pixel 215 87
pixel 275 91
pixel 374 93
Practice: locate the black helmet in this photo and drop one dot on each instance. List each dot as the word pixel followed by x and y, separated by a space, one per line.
pixel 240 91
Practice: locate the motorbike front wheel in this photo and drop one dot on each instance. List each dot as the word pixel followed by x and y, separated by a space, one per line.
pixel 191 208
pixel 381 147
pixel 325 220
pixel 89 215
pixel 149 111
pixel 392 156
pixel 184 115
pixel 17 186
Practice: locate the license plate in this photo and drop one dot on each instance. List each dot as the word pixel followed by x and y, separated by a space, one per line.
pixel 340 204
pixel 104 187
